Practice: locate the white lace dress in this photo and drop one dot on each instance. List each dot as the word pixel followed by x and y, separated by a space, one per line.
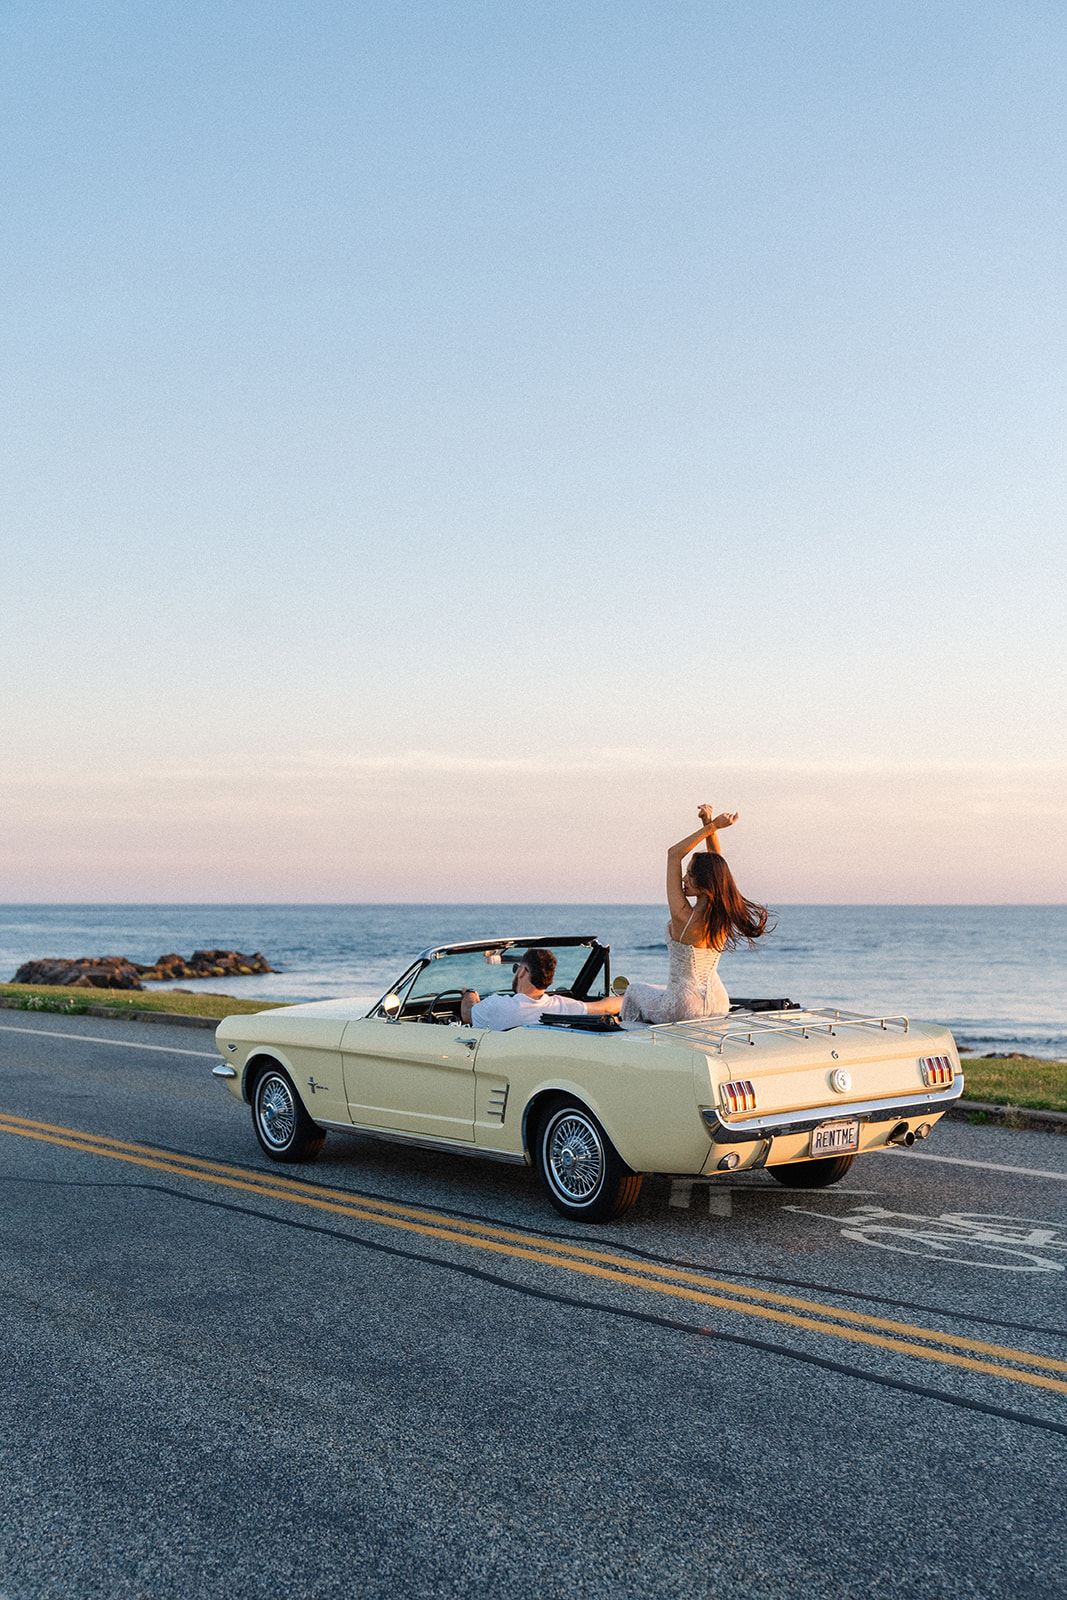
pixel 694 988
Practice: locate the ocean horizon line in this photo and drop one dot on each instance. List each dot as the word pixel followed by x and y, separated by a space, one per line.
pixel 470 905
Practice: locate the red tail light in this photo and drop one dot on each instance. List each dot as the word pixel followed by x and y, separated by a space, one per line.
pixel 936 1071
pixel 740 1095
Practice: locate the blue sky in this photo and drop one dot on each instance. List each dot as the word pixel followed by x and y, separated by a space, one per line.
pixel 446 442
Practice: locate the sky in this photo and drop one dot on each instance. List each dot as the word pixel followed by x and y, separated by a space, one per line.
pixel 445 443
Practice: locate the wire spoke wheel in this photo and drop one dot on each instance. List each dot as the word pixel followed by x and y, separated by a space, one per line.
pixel 576 1157
pixel 583 1174
pixel 277 1113
pixel 280 1119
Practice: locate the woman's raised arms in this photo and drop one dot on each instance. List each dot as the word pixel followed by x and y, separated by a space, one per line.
pixel 725 819
pixel 709 832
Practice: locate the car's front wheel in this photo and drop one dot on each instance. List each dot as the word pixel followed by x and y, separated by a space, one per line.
pixel 584 1176
pixel 282 1125
pixel 811 1174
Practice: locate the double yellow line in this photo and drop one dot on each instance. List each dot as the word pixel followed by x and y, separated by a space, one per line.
pixel 929 1344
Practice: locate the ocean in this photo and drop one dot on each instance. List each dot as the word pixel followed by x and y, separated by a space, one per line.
pixel 994 974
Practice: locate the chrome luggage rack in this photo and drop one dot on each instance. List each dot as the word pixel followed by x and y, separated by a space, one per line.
pixel 718 1031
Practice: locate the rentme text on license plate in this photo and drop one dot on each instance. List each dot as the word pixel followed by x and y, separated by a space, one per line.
pixel 834 1138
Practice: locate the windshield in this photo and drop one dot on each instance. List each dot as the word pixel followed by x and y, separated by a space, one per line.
pixel 491 972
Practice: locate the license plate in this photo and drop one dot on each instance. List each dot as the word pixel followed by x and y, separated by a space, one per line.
pixel 831 1138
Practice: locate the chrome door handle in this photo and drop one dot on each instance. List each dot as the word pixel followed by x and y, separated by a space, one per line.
pixel 472 1044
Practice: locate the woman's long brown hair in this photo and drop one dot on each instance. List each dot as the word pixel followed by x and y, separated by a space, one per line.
pixel 728 916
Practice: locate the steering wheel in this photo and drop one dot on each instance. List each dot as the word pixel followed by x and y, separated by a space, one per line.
pixel 443 994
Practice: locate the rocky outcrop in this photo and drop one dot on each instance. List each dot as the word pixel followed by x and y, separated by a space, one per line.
pixel 205 964
pixel 116 972
pixel 89 972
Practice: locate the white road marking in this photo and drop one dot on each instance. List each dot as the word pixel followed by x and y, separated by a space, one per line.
pixel 977 1239
pixel 987 1166
pixel 121 1044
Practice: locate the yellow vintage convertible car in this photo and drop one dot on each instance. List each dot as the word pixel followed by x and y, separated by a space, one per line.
pixel 593 1105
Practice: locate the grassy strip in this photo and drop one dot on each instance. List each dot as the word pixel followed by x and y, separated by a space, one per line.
pixel 1038 1085
pixel 72 1002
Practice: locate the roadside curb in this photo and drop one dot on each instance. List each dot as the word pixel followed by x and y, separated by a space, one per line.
pixel 1019 1117
pixel 176 1019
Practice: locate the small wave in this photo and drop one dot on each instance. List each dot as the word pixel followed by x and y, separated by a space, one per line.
pixel 650 947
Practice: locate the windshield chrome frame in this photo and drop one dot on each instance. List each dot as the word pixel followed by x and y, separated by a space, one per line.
pixel 435 952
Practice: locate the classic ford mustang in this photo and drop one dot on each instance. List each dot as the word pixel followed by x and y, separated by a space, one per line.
pixel 593 1105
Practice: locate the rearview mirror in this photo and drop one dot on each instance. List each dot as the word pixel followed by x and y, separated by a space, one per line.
pixel 391 1005
pixel 620 985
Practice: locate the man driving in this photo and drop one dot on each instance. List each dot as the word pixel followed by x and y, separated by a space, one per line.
pixel 528 1001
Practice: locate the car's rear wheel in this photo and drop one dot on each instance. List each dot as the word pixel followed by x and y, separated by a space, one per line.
pixel 811 1174
pixel 584 1176
pixel 282 1125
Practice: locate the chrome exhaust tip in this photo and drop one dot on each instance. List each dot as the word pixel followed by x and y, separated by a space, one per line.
pixel 900 1133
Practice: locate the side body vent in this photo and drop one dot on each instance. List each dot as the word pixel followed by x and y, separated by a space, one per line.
pixel 498 1103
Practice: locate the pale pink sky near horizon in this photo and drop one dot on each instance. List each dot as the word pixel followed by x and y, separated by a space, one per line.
pixel 420 829
pixel 445 444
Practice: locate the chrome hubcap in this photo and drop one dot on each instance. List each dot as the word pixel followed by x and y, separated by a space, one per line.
pixel 277 1115
pixel 574 1156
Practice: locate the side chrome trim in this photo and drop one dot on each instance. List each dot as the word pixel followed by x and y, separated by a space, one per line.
pixel 223 1071
pixel 447 1145
pixel 753 1128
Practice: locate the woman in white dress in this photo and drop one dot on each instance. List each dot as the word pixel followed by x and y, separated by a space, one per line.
pixel 697 934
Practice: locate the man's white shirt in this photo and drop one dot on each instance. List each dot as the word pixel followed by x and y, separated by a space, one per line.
pixel 503 1011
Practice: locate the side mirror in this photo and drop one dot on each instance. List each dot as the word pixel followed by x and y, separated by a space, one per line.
pixel 391 1007
pixel 620 985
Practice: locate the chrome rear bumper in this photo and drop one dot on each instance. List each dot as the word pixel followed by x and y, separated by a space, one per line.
pixel 745 1130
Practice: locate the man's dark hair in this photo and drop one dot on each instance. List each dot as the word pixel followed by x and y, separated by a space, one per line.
pixel 541 965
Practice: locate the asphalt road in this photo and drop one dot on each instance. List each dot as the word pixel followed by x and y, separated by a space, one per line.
pixel 393 1372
